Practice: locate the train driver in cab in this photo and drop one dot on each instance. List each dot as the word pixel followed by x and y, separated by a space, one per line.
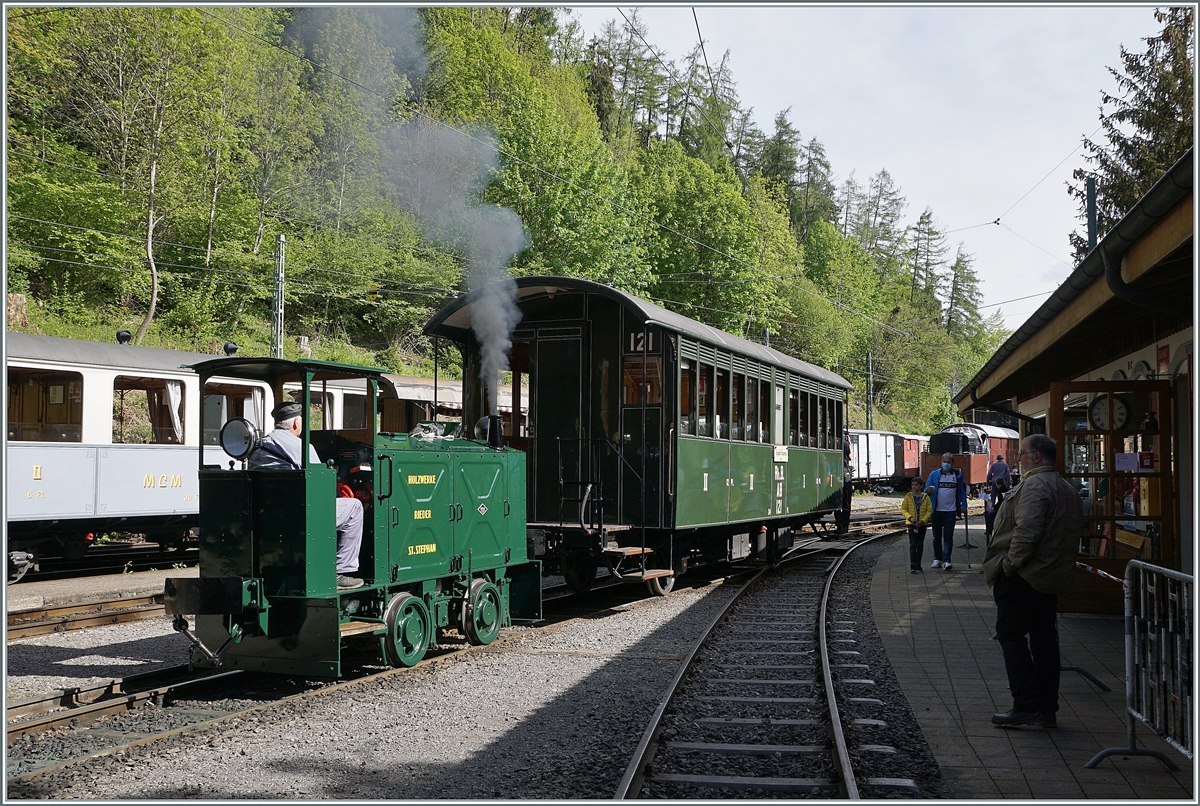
pixel 280 450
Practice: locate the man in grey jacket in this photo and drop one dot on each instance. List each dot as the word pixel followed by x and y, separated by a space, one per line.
pixel 1030 562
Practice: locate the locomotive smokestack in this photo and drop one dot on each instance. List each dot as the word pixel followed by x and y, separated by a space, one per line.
pixel 495 435
pixel 494 315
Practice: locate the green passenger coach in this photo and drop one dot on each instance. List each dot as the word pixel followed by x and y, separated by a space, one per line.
pixel 654 441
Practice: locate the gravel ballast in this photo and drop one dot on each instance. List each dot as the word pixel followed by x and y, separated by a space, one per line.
pixel 46 663
pixel 550 714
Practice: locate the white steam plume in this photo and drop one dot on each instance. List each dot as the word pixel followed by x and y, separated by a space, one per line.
pixel 440 174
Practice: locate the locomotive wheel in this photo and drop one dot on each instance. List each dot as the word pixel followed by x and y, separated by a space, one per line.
pixel 481 613
pixel 660 586
pixel 409 630
pixel 580 573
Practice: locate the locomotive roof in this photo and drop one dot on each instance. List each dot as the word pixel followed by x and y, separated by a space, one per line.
pixel 76 353
pixel 990 430
pixel 271 369
pixel 453 321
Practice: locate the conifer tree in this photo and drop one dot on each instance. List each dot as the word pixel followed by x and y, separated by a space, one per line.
pixel 1148 125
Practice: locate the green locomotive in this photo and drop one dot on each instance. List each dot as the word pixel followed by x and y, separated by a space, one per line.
pixel 443 533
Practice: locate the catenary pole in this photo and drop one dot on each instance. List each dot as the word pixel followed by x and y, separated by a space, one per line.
pixel 277 304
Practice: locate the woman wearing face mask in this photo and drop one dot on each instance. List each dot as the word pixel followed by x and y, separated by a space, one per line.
pixel 949 494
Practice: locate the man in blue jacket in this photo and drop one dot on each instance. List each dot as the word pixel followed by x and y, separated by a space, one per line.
pixel 949 494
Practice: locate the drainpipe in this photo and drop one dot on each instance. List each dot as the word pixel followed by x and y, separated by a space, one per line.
pixel 1136 296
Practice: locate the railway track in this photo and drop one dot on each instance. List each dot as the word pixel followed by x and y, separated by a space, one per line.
pixel 186 702
pixel 758 707
pixel 110 718
pixel 64 618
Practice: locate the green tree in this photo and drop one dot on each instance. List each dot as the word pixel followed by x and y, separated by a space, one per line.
pixel 814 201
pixel 962 299
pixel 1147 126
pixel 927 257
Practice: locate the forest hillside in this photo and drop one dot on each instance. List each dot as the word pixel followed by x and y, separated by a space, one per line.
pixel 157 156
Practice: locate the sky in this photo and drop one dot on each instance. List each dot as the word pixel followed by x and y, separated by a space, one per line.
pixel 968 108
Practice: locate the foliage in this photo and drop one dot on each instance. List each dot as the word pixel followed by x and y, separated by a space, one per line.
pixel 158 157
pixel 1147 126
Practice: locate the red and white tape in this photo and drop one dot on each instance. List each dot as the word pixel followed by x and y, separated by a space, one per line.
pixel 1100 573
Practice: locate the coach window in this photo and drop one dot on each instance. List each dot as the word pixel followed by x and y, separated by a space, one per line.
pixel 705 401
pixel 224 402
pixel 751 408
pixel 642 373
pixel 764 411
pixel 838 429
pixel 45 406
pixel 737 425
pixel 147 411
pixel 823 425
pixel 812 419
pixel 793 417
pixel 687 397
pixel 722 409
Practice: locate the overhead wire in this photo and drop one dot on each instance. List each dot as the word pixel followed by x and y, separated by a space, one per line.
pixel 515 158
pixel 298 287
pixel 141 238
pixel 672 75
pixel 69 166
pixel 1026 193
pixel 1015 299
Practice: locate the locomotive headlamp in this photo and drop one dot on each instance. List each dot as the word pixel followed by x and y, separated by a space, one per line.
pixel 481 429
pixel 239 438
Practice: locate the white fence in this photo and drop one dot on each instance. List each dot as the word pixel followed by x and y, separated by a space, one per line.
pixel 1158 659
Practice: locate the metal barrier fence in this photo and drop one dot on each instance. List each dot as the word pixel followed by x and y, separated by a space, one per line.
pixel 1158 659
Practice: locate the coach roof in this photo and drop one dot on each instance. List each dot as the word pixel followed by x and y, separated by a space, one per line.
pixel 453 321
pixel 78 353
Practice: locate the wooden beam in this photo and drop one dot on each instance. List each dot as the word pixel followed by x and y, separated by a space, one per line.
pixel 1080 308
pixel 1171 232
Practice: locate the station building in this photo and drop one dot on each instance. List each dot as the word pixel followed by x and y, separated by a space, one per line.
pixel 1105 368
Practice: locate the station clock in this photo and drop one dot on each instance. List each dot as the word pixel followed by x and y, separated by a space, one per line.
pixel 1098 413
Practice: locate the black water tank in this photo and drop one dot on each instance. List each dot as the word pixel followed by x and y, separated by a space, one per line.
pixel 947 442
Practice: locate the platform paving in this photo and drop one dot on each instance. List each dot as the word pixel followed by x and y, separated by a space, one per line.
pixel 26 595
pixel 937 628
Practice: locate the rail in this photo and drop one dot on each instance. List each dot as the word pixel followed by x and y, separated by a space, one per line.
pixel 635 773
pixel 63 618
pixel 1158 660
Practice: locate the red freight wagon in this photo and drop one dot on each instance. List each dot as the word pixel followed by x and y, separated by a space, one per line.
pixel 974 448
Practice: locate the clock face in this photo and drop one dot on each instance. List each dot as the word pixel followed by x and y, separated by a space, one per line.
pixel 1098 413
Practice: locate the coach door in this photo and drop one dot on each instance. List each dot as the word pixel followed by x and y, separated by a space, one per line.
pixel 641 429
pixel 555 417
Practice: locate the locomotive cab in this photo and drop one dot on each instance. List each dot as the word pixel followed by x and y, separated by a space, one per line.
pixel 442 538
